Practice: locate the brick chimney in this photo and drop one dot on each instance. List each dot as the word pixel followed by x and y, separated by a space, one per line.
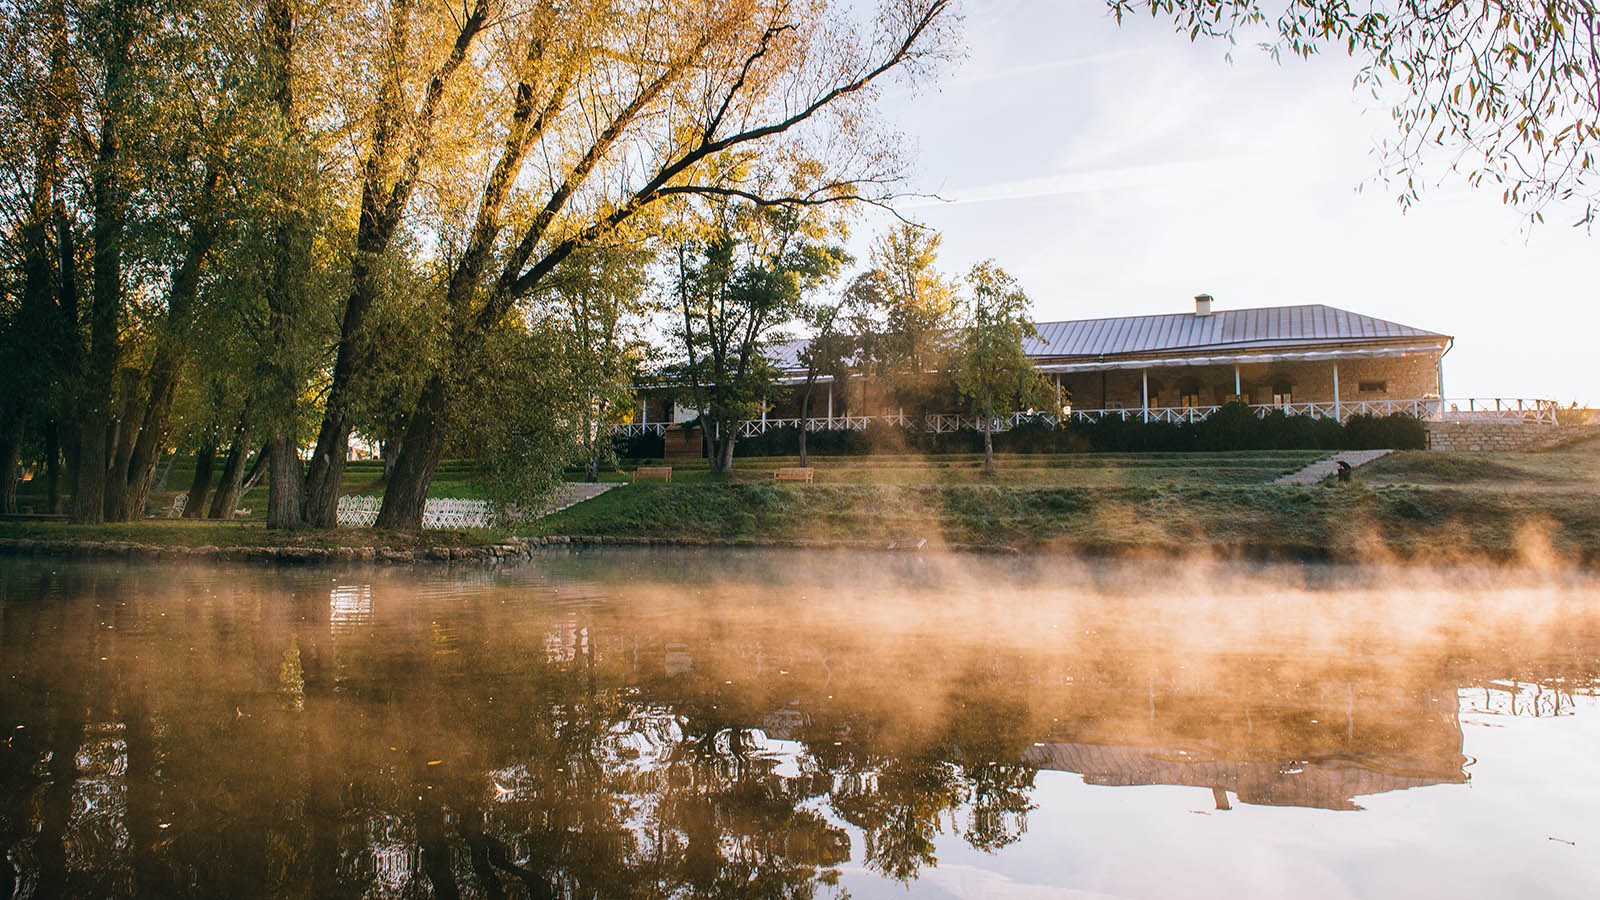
pixel 1202 305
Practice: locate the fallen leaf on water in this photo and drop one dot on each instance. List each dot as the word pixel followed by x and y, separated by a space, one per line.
pixel 435 762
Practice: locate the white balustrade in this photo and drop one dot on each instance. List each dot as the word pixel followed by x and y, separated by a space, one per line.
pixel 362 511
pixel 1500 410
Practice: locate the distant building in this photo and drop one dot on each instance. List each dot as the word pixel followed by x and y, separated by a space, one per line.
pixel 1310 360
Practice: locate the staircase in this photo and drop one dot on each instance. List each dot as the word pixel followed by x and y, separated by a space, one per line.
pixel 572 493
pixel 1322 468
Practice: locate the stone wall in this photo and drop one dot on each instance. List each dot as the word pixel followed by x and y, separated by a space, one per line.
pixel 1472 436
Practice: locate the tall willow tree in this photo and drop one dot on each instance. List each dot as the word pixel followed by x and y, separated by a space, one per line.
pixel 416 72
pixel 117 154
pixel 617 107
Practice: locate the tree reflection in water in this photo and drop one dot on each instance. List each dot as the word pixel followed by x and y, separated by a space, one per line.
pixel 658 725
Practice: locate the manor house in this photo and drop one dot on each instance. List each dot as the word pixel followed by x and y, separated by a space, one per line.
pixel 1310 360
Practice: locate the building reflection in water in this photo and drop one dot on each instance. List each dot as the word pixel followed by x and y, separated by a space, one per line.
pixel 672 734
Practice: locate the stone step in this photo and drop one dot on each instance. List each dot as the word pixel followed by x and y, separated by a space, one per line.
pixel 572 493
pixel 1322 468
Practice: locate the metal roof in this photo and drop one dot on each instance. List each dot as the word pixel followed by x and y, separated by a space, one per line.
pixel 1228 331
pixel 1225 330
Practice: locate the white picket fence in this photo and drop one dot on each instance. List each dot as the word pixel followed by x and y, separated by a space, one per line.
pixel 436 513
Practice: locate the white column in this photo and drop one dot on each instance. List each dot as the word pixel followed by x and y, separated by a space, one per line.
pixel 763 414
pixel 1144 378
pixel 644 410
pixel 1439 383
pixel 1238 390
pixel 1058 395
pixel 830 404
pixel 1338 413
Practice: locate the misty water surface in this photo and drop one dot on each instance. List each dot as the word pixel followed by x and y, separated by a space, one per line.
pixel 794 724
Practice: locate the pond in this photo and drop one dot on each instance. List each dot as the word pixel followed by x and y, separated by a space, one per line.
pixel 658 723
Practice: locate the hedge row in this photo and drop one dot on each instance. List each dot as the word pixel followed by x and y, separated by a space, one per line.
pixel 1233 427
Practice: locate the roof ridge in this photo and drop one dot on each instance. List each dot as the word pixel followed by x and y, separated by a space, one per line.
pixel 1214 313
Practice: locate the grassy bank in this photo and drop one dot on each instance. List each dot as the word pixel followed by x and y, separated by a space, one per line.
pixel 1358 522
pixel 1443 507
pixel 200 533
pixel 1532 507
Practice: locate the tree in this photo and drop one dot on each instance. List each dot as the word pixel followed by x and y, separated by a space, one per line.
pixel 735 289
pixel 519 443
pixel 597 303
pixel 1509 90
pixel 635 109
pixel 992 370
pixel 919 306
pixel 402 138
pixel 840 327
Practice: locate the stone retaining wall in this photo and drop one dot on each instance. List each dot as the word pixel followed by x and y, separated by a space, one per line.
pixel 1494 436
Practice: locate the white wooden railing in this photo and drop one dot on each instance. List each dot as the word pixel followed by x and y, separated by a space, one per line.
pixel 1519 411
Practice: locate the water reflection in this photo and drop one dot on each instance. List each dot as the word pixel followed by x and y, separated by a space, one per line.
pixel 738 725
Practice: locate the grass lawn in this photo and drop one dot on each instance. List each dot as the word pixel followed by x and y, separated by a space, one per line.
pixel 1462 507
pixel 1408 505
pixel 1549 472
pixel 1097 470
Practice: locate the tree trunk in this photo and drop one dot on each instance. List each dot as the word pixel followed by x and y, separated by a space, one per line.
pixel 89 488
pixel 105 308
pixel 160 484
pixel 388 452
pixel 805 413
pixel 194 507
pixel 284 490
pixel 988 450
pixel 232 480
pixel 52 466
pixel 285 289
pixel 119 507
pixel 133 474
pixel 333 439
pixel 253 476
pixel 327 464
pixel 420 452
pixel 382 204
pixel 11 461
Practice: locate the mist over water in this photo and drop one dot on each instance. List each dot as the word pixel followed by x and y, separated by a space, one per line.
pixel 794 724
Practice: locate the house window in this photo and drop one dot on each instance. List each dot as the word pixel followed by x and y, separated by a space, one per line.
pixel 1374 387
pixel 1189 393
pixel 1282 393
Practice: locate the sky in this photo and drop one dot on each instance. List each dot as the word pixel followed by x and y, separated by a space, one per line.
pixel 1122 170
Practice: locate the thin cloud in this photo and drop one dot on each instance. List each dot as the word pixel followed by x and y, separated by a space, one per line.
pixel 1168 174
pixel 967 78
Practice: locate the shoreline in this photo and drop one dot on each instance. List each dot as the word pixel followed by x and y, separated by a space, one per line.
pixel 521 549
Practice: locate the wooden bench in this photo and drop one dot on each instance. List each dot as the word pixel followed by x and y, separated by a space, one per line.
pixel 793 473
pixel 652 473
